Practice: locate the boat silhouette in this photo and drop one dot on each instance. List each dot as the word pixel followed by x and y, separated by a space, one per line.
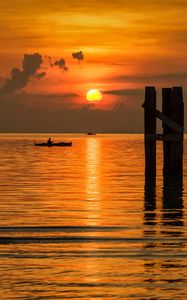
pixel 52 144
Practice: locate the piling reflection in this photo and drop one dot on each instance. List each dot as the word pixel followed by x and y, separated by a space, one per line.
pixel 150 204
pixel 161 262
pixel 172 203
pixel 172 226
pixel 172 213
pixel 150 265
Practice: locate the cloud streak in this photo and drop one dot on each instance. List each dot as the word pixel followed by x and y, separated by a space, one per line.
pixel 169 77
pixel 124 92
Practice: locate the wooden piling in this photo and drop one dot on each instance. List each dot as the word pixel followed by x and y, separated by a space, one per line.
pixel 173 108
pixel 150 129
pixel 178 117
pixel 167 95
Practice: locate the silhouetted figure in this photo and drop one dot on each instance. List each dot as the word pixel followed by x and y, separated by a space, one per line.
pixel 49 142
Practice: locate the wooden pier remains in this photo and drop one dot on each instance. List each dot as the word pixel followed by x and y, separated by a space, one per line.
pixel 172 117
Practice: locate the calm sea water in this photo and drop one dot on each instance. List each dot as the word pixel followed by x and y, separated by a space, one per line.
pixel 81 223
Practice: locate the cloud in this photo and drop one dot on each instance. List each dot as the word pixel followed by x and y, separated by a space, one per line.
pixel 175 78
pixel 55 113
pixel 44 101
pixel 36 113
pixel 40 75
pixel 50 60
pixel 78 55
pixel 61 63
pixel 19 78
pixel 124 92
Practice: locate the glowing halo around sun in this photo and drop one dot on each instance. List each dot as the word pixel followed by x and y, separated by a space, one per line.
pixel 94 95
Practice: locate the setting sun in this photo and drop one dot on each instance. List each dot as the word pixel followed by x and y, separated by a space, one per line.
pixel 94 95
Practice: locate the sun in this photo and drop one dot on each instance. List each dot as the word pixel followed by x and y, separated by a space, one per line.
pixel 94 95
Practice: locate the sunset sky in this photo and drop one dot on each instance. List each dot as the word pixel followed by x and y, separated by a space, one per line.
pixel 125 45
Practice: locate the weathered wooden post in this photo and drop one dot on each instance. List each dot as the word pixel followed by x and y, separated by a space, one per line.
pixel 173 108
pixel 167 95
pixel 150 131
pixel 172 117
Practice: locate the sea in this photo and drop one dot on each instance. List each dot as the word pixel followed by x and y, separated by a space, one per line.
pixel 82 222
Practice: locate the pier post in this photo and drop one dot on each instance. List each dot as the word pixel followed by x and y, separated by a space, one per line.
pixel 150 130
pixel 173 107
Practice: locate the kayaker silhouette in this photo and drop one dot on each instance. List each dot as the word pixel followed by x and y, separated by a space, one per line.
pixel 49 142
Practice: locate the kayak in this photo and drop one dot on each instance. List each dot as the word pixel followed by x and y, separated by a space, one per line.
pixel 60 144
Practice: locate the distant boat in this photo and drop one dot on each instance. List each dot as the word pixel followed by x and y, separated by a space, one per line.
pixel 91 133
pixel 60 144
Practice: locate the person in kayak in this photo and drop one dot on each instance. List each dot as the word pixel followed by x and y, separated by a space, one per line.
pixel 49 142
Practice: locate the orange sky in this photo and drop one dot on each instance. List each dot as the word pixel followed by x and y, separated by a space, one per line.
pixel 126 45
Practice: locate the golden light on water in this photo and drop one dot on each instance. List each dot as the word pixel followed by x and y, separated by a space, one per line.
pixel 93 179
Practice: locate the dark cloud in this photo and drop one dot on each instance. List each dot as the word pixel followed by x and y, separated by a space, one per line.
pixel 70 95
pixel 40 75
pixel 175 78
pixel 50 60
pixel 61 63
pixel 78 55
pixel 19 78
pixel 24 117
pixel 124 92
pixel 128 97
pixel 41 113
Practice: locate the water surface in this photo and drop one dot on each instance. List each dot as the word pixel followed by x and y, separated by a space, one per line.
pixel 82 223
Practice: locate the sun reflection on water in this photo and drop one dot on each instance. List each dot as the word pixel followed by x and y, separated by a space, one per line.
pixel 93 194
